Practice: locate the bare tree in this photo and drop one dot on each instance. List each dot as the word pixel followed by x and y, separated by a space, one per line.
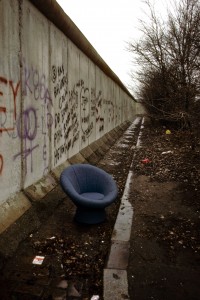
pixel 168 55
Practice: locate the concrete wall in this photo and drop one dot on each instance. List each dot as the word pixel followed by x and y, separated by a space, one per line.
pixel 54 101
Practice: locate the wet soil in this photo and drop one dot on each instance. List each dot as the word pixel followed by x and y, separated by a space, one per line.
pixel 165 193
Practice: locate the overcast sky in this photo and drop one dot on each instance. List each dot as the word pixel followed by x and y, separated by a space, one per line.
pixel 109 25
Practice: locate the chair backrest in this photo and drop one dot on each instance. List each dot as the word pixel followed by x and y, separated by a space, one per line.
pixel 87 178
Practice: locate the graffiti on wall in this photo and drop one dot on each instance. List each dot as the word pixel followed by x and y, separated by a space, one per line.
pixel 35 120
pixel 68 115
pixel 76 110
pixel 86 120
pixel 59 79
pixel 99 117
pixel 25 125
pixel 8 96
pixel 8 90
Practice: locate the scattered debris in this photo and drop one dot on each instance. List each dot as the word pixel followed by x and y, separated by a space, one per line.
pixel 167 152
pixel 95 297
pixel 38 260
pixel 52 238
pixel 145 161
pixel 168 131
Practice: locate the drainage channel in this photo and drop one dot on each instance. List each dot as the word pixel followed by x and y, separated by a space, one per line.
pixel 115 273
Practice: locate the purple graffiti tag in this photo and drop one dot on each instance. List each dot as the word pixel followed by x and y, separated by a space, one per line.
pixel 36 81
pixel 47 97
pixel 24 154
pixel 26 81
pixel 29 120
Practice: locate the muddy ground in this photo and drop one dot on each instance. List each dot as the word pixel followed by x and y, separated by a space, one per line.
pixel 165 244
pixel 165 194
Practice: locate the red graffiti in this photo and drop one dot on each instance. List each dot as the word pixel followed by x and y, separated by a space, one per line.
pixel 3 80
pixel 14 92
pixel 1 164
pixel 2 109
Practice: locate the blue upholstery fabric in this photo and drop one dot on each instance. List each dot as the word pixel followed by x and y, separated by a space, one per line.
pixel 78 179
pixel 94 196
pixel 91 189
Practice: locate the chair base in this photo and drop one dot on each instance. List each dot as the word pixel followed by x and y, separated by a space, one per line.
pixel 90 216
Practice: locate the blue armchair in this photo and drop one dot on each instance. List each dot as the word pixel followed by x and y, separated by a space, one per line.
pixel 91 189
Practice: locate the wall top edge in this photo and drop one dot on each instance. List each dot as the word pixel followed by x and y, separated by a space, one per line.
pixel 52 11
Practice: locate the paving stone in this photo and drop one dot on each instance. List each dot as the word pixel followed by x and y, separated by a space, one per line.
pixel 119 254
pixel 115 284
pixel 123 224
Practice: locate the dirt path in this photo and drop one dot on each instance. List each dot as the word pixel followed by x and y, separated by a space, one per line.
pixel 165 242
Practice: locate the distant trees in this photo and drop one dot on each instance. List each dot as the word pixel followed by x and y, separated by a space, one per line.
pixel 168 56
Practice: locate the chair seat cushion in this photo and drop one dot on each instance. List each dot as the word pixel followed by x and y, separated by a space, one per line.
pixel 93 196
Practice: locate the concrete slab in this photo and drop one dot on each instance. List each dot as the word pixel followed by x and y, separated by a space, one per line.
pixel 77 159
pixel 115 284
pixel 123 224
pixel 10 97
pixel 119 255
pixel 92 88
pixel 125 202
pixel 95 145
pixel 57 171
pixel 35 106
pixel 125 215
pixel 73 88
pixel 121 232
pixel 106 140
pixel 99 148
pixel 102 149
pixel 111 138
pixel 94 159
pixel 60 131
pixel 113 135
pixel 104 144
pixel 89 155
pixel 125 124
pixel 118 131
pixel 38 190
pixel 13 209
pixel 101 142
pixel 86 152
